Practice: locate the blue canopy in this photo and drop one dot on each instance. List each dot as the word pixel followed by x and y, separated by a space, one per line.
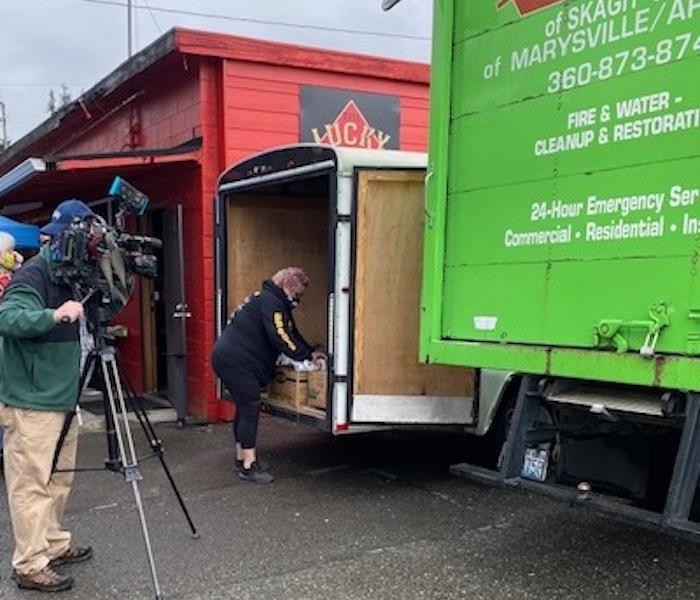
pixel 26 236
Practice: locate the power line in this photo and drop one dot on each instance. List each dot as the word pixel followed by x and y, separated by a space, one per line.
pixel 153 17
pixel 191 13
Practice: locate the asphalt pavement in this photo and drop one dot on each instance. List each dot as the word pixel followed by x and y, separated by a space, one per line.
pixel 375 516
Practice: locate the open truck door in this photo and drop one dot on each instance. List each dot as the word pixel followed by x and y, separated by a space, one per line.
pixel 353 219
pixel 389 385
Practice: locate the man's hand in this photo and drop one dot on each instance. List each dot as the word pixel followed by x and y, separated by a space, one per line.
pixel 68 312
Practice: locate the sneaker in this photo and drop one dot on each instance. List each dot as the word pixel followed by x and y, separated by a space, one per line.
pixel 74 554
pixel 256 474
pixel 238 465
pixel 46 580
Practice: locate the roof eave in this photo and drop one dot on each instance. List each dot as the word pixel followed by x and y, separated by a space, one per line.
pixel 203 43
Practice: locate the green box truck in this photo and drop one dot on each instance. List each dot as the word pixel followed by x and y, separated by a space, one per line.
pixel 562 240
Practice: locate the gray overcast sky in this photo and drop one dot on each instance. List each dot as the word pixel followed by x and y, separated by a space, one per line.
pixel 44 43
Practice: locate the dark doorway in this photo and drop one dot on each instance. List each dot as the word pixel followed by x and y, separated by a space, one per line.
pixel 165 312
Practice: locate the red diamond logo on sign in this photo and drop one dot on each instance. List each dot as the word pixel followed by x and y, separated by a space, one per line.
pixel 351 128
pixel 527 6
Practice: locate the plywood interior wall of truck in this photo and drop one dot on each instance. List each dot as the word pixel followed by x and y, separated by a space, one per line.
pixel 267 232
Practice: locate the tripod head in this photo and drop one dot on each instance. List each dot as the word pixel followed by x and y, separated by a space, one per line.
pixel 99 308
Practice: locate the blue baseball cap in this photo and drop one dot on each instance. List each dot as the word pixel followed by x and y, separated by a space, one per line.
pixel 64 214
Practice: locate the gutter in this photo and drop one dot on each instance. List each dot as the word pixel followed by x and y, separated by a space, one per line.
pixel 21 174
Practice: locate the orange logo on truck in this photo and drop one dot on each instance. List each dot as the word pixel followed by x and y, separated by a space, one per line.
pixel 527 6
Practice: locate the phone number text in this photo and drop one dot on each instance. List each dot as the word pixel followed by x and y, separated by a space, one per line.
pixel 627 61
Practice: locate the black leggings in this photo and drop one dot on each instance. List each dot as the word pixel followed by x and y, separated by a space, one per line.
pixel 245 392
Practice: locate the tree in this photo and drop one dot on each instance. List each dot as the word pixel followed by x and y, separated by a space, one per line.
pixel 51 106
pixel 65 97
pixel 5 141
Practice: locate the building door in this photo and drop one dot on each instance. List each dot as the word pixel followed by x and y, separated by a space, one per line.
pixel 176 310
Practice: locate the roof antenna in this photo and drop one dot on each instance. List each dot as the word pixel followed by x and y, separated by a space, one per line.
pixel 129 34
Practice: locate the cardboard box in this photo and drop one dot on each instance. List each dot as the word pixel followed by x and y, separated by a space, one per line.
pixel 289 386
pixel 316 397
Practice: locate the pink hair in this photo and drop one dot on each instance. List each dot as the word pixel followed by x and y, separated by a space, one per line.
pixel 292 280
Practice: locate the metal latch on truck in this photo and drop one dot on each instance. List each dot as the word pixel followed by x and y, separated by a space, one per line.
pixel 609 332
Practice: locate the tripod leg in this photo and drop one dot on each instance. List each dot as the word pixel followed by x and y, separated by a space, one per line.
pixel 85 375
pixel 127 453
pixel 156 446
pixel 158 449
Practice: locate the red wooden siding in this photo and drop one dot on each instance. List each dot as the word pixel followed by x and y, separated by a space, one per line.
pixel 262 105
pixel 164 114
pixel 200 284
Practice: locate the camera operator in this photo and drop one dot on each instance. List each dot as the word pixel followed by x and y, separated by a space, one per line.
pixel 39 373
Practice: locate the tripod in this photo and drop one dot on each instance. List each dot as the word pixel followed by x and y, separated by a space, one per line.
pixel 122 457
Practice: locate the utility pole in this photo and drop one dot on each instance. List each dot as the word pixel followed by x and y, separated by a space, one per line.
pixel 3 119
pixel 129 31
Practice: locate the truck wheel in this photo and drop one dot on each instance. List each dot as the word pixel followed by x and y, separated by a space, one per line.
pixel 494 441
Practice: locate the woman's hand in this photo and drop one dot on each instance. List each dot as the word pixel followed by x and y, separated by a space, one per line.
pixel 318 358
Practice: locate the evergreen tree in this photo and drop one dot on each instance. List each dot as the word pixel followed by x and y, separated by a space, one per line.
pixel 65 97
pixel 51 106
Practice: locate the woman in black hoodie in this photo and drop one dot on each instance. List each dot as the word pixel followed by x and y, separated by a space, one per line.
pixel 245 355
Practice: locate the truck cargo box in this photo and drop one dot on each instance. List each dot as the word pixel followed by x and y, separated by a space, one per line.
pixel 563 217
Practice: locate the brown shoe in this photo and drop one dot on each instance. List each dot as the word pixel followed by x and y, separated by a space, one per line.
pixel 74 554
pixel 46 580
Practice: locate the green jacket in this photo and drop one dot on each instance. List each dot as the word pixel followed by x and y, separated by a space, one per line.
pixel 39 360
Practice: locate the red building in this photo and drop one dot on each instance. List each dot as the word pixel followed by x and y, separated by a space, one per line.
pixel 169 121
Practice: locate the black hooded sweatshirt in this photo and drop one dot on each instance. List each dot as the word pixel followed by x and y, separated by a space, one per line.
pixel 259 331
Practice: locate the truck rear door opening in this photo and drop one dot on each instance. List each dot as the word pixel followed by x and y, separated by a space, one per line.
pixel 353 221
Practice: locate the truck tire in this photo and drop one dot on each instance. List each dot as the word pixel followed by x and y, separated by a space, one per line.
pixel 493 442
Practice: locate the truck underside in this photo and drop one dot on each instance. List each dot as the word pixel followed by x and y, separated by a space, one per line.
pixel 631 453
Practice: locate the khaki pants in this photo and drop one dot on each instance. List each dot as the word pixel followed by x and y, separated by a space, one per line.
pixel 37 498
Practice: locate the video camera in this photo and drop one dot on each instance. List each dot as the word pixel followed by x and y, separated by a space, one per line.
pixel 98 259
